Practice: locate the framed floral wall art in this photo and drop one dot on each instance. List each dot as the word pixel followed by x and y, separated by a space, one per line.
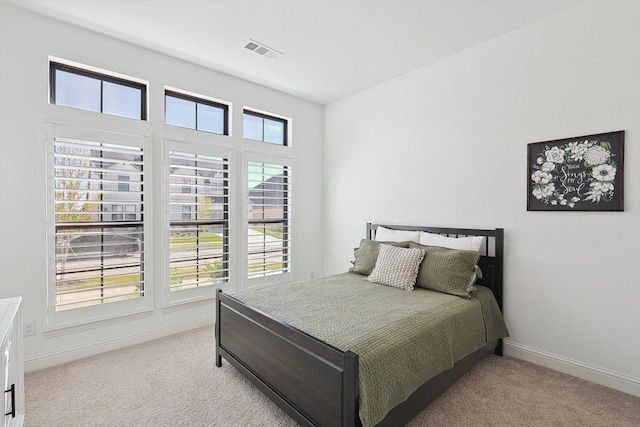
pixel 576 174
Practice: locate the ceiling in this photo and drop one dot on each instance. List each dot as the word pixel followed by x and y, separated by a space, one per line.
pixel 331 48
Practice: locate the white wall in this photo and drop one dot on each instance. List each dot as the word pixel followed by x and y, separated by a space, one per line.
pixel 446 145
pixel 26 40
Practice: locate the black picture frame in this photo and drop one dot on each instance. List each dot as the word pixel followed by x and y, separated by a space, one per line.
pixel 585 173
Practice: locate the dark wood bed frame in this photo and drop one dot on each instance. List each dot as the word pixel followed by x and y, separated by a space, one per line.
pixel 317 384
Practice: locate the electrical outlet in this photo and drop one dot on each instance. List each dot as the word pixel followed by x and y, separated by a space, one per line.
pixel 29 328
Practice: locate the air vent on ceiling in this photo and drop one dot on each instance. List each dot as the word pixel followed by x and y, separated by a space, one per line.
pixel 263 50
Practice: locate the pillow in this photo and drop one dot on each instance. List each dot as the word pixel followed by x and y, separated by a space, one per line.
pixel 477 271
pixel 451 271
pixel 366 255
pixel 397 267
pixel 470 243
pixel 387 235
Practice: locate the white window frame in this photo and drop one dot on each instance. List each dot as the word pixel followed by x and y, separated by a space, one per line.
pixel 84 316
pixel 171 298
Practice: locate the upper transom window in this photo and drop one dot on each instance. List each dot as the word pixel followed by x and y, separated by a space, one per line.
pixel 262 127
pixel 88 90
pixel 196 113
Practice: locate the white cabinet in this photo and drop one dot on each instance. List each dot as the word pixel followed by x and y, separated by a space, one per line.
pixel 12 374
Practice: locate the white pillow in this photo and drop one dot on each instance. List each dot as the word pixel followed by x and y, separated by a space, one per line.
pixel 388 235
pixel 397 267
pixel 469 243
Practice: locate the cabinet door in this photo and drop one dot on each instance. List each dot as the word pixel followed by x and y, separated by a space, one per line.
pixel 7 402
pixel 9 379
pixel 11 363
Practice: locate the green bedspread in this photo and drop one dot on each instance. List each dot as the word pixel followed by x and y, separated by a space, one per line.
pixel 402 338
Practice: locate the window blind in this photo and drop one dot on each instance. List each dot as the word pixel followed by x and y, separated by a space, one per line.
pixel 99 222
pixel 269 219
pixel 199 220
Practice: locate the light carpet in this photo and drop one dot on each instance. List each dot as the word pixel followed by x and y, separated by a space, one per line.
pixel 173 381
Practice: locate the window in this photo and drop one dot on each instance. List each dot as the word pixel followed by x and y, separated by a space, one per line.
pixel 99 223
pixel 262 127
pixel 186 185
pixel 196 113
pixel 186 212
pixel 199 220
pixel 129 212
pixel 117 216
pixel 92 91
pixel 221 214
pixel 123 185
pixel 269 223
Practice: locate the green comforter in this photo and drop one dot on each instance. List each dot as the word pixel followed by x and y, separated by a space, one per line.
pixel 402 338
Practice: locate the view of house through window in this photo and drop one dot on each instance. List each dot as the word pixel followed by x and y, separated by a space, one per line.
pixel 269 224
pixel 199 220
pixel 99 222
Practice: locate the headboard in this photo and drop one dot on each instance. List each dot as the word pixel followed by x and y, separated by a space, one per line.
pixel 491 254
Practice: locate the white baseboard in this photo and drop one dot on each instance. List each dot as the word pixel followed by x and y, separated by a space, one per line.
pixel 611 379
pixel 46 360
pixel 614 380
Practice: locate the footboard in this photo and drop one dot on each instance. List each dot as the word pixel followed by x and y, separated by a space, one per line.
pixel 314 382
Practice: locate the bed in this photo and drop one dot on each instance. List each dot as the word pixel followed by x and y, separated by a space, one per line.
pixel 308 369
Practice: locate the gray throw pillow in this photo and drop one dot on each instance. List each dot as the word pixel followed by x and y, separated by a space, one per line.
pixel 367 254
pixel 451 271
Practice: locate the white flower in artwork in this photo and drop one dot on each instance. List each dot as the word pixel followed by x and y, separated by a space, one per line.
pixel 540 177
pixel 601 187
pixel 596 155
pixel 537 193
pixel 547 190
pixel 604 172
pixel 555 155
pixel 548 166
pixel 599 190
pixel 543 191
pixel 577 149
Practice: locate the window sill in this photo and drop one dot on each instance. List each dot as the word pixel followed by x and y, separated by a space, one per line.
pixel 59 330
pixel 188 303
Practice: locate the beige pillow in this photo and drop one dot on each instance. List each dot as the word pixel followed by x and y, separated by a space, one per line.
pixel 451 271
pixel 397 267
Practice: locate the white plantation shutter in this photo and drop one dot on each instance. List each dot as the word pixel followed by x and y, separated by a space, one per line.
pixel 199 220
pixel 269 219
pixel 99 222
